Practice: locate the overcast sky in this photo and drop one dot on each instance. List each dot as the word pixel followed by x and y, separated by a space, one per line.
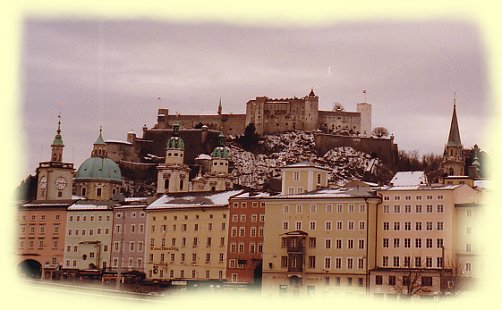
pixel 109 73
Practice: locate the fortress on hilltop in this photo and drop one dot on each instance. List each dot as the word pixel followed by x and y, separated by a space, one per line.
pixel 275 115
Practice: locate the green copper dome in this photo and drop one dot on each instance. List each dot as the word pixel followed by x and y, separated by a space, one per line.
pixel 175 142
pixel 221 151
pixel 99 168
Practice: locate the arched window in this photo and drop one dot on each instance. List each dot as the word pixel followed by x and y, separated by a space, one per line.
pixel 84 191
pixel 451 172
pixel 166 185
pixel 181 184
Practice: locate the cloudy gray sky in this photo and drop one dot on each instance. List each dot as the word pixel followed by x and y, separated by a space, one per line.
pixel 109 73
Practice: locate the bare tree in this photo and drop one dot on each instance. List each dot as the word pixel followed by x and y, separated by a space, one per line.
pixel 380 132
pixel 413 282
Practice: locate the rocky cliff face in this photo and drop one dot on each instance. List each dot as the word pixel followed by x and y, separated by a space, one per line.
pixel 255 169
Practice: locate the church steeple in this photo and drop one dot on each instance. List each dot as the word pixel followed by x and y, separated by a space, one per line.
pixel 99 149
pixel 57 144
pixel 454 136
pixel 219 108
pixel 453 159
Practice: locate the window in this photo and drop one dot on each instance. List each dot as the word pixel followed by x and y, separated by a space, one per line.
pixel 429 226
pixel 418 226
pixel 327 225
pixel 396 225
pixel 312 242
pixel 296 175
pixel 385 209
pixel 312 225
pixel 254 218
pixel 418 209
pixel 407 242
pixel 350 263
pixel 439 262
pixel 327 263
pixel 440 208
pixel 439 243
pixel 396 261
pixel 339 225
pixel 428 262
pixel 351 225
pixel 338 243
pixel 327 243
pixel 243 217
pixel 298 208
pixel 428 243
pixel 396 242
pixel 392 280
pixel 429 208
pixel 418 243
pixel 329 208
pixel 285 209
pixel 385 261
pixel 426 281
pixel 397 209
pixel 385 225
pixel 350 244
pixel 439 225
pixel 362 225
pixel 253 232
pixel 360 244
pixel 468 212
pixel 407 225
pixel 311 262
pixel 385 242
pixel 284 262
pixel 418 262
pixel 468 247
pixel 351 208
pixel 468 266
pixel 222 241
pixel 298 225
pixel 362 208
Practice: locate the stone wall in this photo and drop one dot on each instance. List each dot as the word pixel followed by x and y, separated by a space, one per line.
pixel 384 149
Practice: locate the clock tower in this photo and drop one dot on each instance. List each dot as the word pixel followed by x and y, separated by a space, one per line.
pixel 55 177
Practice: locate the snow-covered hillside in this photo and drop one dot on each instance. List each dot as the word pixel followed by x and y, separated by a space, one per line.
pixel 254 170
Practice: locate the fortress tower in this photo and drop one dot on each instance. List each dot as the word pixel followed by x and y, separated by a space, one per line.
pixel 365 110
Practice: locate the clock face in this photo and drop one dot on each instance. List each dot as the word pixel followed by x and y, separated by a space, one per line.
pixel 43 182
pixel 60 183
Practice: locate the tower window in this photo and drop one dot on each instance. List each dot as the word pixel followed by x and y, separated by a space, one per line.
pixel 166 185
pixel 181 184
pixel 99 192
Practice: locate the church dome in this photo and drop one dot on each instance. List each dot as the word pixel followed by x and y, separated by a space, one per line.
pixel 221 151
pixel 175 142
pixel 99 168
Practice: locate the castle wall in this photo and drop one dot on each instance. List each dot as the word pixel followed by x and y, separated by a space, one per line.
pixel 229 124
pixel 118 151
pixel 384 149
pixel 330 121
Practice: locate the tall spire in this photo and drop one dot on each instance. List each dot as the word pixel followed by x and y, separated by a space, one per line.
pixel 57 144
pixel 454 136
pixel 220 108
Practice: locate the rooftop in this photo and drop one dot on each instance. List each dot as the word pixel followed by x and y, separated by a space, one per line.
pixel 193 200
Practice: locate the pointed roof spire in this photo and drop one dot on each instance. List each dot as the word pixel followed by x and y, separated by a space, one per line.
pixel 454 136
pixel 312 92
pixel 58 140
pixel 220 107
pixel 100 139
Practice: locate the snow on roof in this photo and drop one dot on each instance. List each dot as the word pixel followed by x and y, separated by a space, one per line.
pixel 406 178
pixel 253 195
pixel 333 193
pixel 133 199
pixel 419 187
pixel 89 207
pixel 193 200
pixel 118 141
pixel 305 165
pixel 132 206
pixel 203 156
pixel 483 184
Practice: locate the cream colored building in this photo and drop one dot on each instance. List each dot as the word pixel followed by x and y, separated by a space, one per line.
pixel 186 236
pixel 303 177
pixel 318 242
pixel 418 236
pixel 88 238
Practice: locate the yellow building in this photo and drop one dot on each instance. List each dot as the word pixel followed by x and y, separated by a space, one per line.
pixel 303 177
pixel 319 241
pixel 418 238
pixel 186 236
pixel 89 229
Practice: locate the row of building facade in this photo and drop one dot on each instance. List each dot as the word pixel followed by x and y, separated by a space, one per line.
pixel 408 238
